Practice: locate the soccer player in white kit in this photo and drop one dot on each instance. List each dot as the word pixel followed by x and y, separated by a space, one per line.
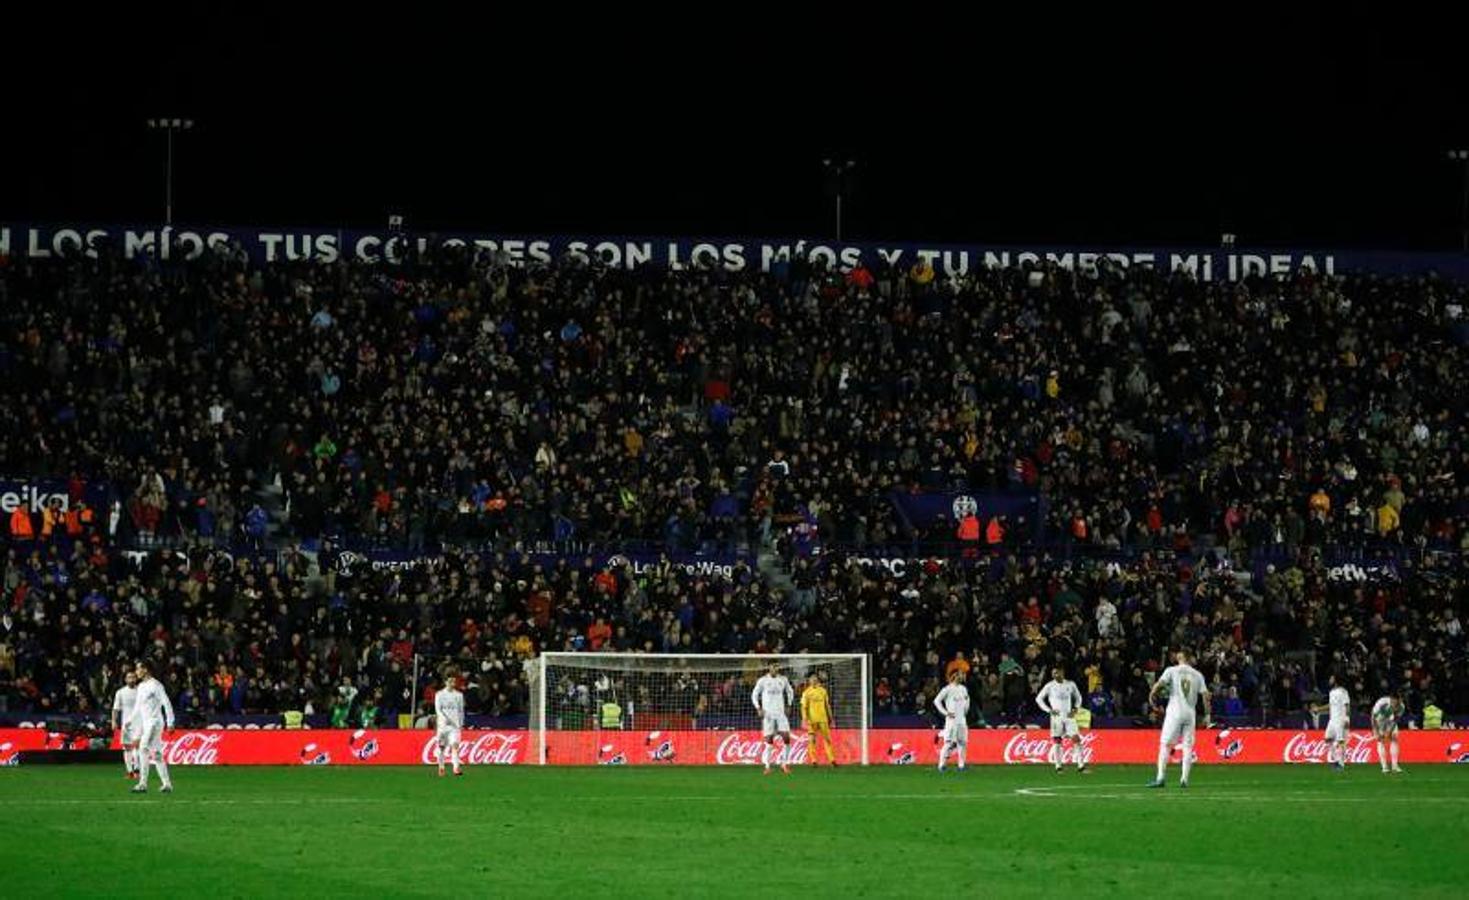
pixel 1060 698
pixel 152 715
pixel 1338 724
pixel 953 703
pixel 1385 714
pixel 122 711
pixel 449 720
pixel 772 695
pixel 1185 687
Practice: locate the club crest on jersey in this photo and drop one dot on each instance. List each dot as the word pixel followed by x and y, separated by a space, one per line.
pixel 964 506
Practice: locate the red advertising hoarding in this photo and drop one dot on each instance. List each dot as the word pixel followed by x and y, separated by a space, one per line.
pixel 885 747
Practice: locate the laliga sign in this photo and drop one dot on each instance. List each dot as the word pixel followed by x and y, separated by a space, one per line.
pixel 491 748
pixel 33 499
pixel 1022 748
pixel 1303 748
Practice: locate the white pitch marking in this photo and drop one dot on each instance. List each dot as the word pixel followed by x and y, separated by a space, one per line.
pixel 194 801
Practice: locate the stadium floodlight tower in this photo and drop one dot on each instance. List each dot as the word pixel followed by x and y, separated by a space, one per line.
pixel 168 127
pixel 686 708
pixel 839 176
pixel 1462 158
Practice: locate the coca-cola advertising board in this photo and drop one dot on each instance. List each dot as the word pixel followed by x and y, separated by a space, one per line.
pixel 885 747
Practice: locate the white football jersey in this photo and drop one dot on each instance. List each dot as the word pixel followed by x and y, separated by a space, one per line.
pixel 151 707
pixel 953 701
pixel 1184 684
pixel 123 702
pixel 1059 698
pixel 772 694
pixel 1382 710
pixel 449 708
pixel 1340 702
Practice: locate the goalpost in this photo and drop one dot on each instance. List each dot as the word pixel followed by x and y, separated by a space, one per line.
pixel 685 709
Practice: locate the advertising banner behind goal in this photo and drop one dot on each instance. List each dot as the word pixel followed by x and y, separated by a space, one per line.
pixel 887 746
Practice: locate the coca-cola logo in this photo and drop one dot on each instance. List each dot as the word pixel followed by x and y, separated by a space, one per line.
pixel 898 755
pixel 1306 748
pixel 493 748
pixel 1023 748
pixel 736 751
pixel 192 748
pixel 8 755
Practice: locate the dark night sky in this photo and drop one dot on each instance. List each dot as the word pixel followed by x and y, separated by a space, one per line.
pixel 1319 125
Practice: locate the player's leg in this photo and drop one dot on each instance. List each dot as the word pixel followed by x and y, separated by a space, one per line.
pixel 1381 749
pixel 962 745
pixel 1393 748
pixel 1165 744
pixel 454 751
pixel 145 750
pixel 1073 733
pixel 1188 752
pixel 441 741
pixel 161 764
pixel 823 735
pixel 785 747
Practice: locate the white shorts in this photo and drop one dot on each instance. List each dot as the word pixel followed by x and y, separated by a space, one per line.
pixel 1338 730
pixel 774 723
pixel 1178 728
pixel 956 731
pixel 448 737
pixel 150 736
pixel 1064 727
pixel 1385 730
pixel 129 735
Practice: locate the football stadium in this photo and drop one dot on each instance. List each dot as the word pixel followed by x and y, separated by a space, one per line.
pixel 643 493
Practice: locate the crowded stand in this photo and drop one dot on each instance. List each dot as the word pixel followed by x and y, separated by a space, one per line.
pixel 1270 471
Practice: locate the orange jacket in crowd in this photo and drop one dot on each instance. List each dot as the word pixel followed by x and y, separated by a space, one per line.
pixel 20 525
pixel 51 517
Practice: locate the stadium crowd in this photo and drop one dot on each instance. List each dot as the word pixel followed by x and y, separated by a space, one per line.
pixel 462 403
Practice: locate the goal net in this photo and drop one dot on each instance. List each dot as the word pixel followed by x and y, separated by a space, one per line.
pixel 685 709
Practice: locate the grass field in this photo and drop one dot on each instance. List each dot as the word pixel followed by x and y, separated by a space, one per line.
pixel 1242 831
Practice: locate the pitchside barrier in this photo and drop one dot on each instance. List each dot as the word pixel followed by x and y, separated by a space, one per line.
pixel 666 748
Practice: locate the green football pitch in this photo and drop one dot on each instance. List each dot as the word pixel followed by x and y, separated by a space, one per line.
pixel 1244 831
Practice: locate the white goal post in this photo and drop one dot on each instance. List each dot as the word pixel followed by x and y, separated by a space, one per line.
pixel 687 708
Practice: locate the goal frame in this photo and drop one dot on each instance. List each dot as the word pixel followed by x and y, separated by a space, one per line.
pixel 545 659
